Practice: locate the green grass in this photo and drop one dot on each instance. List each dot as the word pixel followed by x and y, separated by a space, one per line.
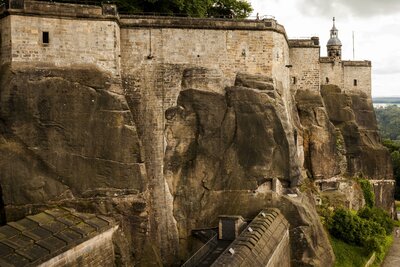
pixel 349 255
pixel 381 256
pixel 353 256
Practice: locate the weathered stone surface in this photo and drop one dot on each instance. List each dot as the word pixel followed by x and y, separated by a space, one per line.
pixel 321 153
pixel 67 138
pixel 223 153
pixel 72 123
pixel 352 113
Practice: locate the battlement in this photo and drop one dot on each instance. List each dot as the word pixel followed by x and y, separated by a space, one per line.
pixel 32 7
pixel 304 42
pixel 200 23
pixel 352 63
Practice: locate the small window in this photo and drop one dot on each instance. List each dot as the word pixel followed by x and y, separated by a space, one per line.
pixel 45 37
pixel 327 80
pixel 355 82
pixel 294 80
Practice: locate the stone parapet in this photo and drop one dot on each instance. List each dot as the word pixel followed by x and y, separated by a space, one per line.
pixel 48 8
pixel 306 42
pixel 352 63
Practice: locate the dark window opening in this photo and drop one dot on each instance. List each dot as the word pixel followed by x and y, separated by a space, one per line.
pixel 327 80
pixel 294 80
pixel 45 37
pixel 337 54
pixel 355 82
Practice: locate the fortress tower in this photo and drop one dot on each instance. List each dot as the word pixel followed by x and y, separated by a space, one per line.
pixel 334 45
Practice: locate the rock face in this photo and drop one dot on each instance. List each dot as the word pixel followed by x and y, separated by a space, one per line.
pixel 341 142
pixel 226 154
pixel 352 113
pixel 76 138
pixel 67 138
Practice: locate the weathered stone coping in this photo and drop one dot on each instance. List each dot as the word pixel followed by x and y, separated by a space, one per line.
pixel 348 63
pixel 312 42
pixel 38 238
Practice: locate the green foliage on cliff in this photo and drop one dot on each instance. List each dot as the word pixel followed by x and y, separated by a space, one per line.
pixel 365 231
pixel 368 192
pixel 394 149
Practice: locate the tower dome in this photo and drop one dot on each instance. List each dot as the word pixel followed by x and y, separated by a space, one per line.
pixel 334 45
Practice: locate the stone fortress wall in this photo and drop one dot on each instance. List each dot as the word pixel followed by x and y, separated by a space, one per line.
pixel 80 34
pixel 150 56
pixel 77 35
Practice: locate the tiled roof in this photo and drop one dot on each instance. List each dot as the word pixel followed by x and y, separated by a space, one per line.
pixel 38 238
pixel 255 245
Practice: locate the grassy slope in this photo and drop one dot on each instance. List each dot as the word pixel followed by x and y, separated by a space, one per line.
pixel 354 256
pixel 348 255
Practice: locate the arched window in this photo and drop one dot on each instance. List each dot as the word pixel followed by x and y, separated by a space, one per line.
pixel 327 80
pixel 355 82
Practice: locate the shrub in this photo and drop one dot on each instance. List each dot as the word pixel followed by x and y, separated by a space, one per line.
pixel 353 229
pixel 379 216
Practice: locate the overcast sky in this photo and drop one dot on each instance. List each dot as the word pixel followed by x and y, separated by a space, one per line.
pixel 376 26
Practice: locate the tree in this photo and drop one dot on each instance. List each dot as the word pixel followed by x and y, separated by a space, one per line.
pixel 230 8
pixel 194 8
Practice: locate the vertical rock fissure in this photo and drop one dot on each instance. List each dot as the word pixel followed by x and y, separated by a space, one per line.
pixel 3 219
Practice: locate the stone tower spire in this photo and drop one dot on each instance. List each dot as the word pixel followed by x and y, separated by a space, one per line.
pixel 334 45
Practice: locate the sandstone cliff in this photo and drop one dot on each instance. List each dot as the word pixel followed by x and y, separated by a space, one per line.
pixel 67 138
pixel 77 138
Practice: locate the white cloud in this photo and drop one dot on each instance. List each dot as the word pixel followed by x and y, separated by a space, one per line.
pixel 376 25
pixel 360 8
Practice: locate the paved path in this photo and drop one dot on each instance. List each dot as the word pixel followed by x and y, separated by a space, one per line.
pixel 393 257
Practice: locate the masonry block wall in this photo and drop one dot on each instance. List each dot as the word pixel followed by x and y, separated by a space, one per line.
pixel 62 35
pixel 155 52
pixel 357 76
pixel 5 40
pixel 305 67
pixel 351 76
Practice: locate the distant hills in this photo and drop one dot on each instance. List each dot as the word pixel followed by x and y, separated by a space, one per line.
pixel 386 100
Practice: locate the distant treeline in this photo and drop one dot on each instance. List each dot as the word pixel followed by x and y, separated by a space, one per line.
pixel 389 121
pixel 389 126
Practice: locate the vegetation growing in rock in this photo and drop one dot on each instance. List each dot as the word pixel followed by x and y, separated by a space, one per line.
pixel 368 228
pixel 394 149
pixel 357 234
pixel 368 192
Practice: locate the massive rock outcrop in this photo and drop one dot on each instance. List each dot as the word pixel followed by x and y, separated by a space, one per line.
pixel 80 139
pixel 67 138
pixel 227 154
